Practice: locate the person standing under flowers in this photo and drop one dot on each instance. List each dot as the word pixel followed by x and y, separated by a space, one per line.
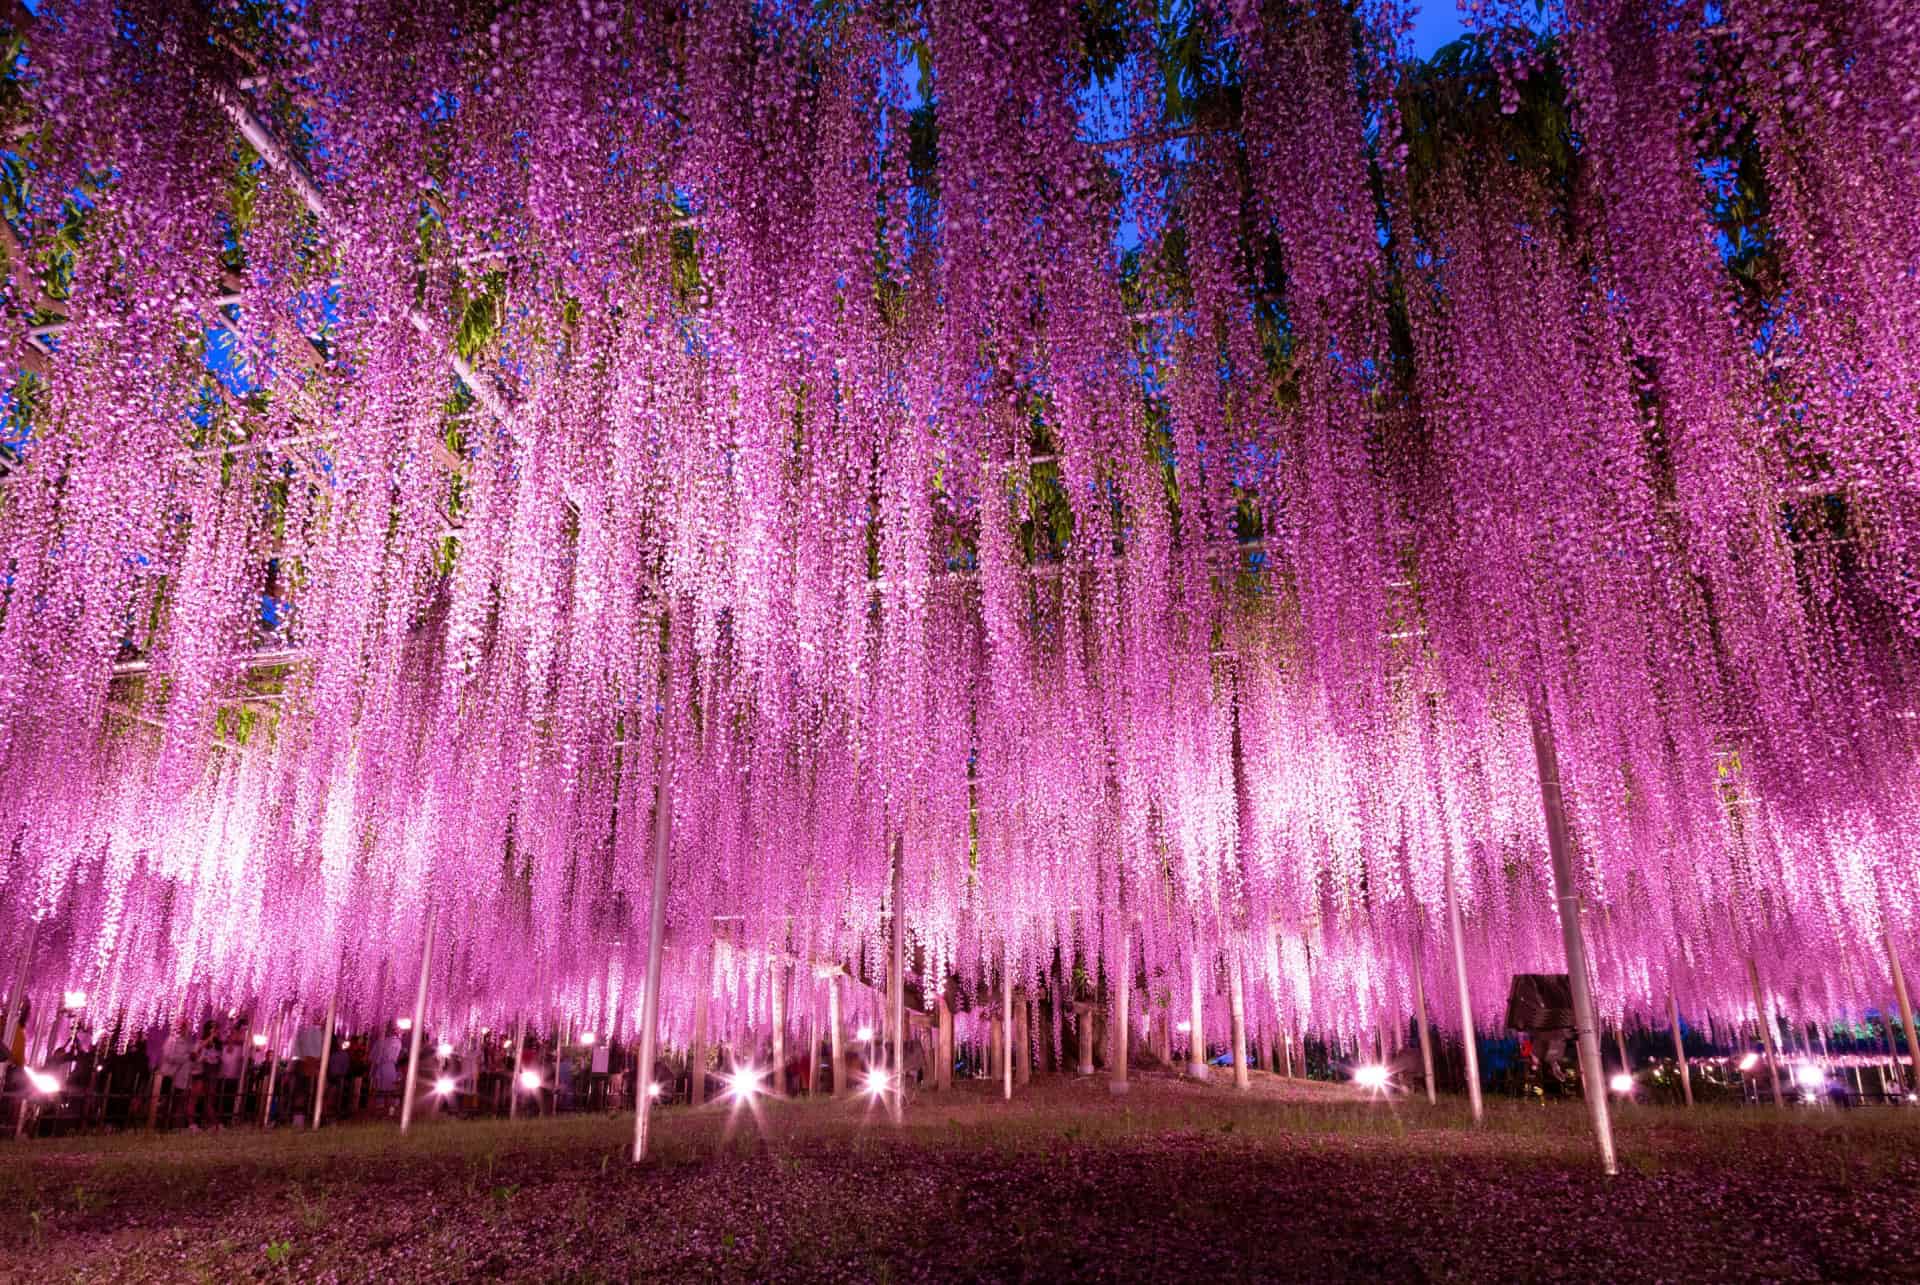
pixel 171 1076
pixel 233 1066
pixel 205 1072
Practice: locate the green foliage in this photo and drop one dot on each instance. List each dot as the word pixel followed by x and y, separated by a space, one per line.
pixel 243 192
pixel 1452 118
pixel 1103 36
pixel 1199 73
pixel 482 312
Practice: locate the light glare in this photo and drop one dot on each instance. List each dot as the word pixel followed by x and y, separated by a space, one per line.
pixel 1371 1077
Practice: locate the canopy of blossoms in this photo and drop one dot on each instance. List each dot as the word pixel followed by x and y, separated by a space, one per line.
pixel 1143 469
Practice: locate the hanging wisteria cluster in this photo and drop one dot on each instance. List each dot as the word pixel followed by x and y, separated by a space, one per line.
pixel 1147 467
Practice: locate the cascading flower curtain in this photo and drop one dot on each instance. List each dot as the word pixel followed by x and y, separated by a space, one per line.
pixel 1144 466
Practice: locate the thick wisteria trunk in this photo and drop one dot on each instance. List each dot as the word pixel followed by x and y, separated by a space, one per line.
pixel 1083 1034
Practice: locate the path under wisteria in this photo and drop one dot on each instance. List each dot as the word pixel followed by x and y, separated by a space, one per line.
pixel 1175 1181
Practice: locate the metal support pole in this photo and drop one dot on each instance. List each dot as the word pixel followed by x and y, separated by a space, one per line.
pixel 1593 1085
pixel 410 1089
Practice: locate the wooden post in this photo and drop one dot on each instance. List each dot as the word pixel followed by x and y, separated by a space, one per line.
pixel 1593 1084
pixel 697 1051
pixel 839 1040
pixel 1420 1019
pixel 1766 1029
pixel 1237 1013
pixel 1680 1048
pixel 656 929
pixel 1468 1040
pixel 1083 1032
pixel 1023 1038
pixel 519 1062
pixel 326 1055
pixel 898 1008
pixel 1905 1000
pixel 943 1071
pixel 813 1046
pixel 410 1089
pixel 1197 1050
pixel 1119 1022
pixel 777 1001
pixel 1006 1029
pixel 273 1063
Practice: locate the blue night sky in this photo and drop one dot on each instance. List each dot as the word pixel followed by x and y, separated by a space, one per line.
pixel 1435 23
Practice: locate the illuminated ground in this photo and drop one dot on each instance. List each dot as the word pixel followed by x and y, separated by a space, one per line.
pixel 1175 1182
